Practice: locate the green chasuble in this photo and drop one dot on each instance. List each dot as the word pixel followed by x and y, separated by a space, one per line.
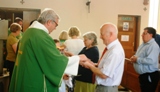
pixel 39 65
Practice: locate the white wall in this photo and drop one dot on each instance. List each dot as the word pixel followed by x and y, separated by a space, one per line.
pixel 75 12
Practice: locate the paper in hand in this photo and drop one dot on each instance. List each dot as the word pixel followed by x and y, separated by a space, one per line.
pixel 127 59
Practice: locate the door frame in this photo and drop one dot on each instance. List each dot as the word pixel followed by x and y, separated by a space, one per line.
pixel 130 77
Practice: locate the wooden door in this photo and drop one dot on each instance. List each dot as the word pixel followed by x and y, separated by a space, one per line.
pixel 29 16
pixel 128 34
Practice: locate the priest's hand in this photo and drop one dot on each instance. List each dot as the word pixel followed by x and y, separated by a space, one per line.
pixel 65 77
pixel 83 59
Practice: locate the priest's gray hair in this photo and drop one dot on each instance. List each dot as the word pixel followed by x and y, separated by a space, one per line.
pixel 46 15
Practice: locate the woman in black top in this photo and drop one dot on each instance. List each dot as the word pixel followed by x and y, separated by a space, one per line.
pixel 84 82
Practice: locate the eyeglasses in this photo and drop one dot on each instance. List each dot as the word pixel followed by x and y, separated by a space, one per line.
pixel 55 23
pixel 145 33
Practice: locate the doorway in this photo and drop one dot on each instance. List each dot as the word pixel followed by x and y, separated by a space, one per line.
pixel 26 14
pixel 128 34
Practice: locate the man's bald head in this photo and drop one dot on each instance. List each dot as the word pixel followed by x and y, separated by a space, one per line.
pixel 109 27
pixel 108 33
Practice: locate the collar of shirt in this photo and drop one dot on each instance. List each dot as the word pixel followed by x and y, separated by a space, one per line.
pixel 112 43
pixel 38 25
pixel 150 41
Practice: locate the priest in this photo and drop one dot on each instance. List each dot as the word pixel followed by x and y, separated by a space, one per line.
pixel 39 65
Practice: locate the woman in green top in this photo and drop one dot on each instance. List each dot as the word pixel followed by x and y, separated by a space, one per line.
pixel 62 38
pixel 11 46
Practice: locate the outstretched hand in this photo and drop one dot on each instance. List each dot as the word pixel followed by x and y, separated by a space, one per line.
pixel 83 58
pixel 69 54
pixel 133 59
pixel 65 77
pixel 85 62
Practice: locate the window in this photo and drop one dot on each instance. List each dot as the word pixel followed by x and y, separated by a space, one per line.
pixel 153 14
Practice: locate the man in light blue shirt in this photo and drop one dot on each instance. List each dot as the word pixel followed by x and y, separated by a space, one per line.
pixel 145 61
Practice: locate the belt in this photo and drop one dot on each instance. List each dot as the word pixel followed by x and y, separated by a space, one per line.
pixel 148 73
